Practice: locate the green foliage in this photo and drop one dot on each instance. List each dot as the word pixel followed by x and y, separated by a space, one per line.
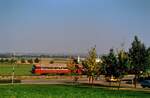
pixel 30 61
pixel 109 63
pixel 147 67
pixel 51 62
pixel 12 61
pixel 6 60
pixel 1 60
pixel 23 60
pixel 36 60
pixel 138 56
pixel 123 63
pixel 115 66
pixel 90 65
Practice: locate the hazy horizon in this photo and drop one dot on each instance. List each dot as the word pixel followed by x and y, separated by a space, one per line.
pixel 72 26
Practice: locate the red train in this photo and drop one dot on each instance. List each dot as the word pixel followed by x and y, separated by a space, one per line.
pixel 54 69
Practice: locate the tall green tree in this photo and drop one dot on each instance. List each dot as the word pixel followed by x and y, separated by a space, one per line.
pixel 138 56
pixel 109 63
pixel 90 64
pixel 115 66
pixel 147 69
pixel 123 65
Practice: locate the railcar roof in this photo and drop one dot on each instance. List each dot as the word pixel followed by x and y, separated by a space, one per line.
pixel 52 65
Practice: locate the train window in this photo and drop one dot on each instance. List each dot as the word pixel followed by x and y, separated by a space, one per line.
pixel 38 67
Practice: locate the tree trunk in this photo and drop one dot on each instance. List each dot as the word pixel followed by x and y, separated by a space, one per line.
pixel 92 79
pixel 76 79
pixel 135 81
pixel 89 79
pixel 110 81
pixel 119 81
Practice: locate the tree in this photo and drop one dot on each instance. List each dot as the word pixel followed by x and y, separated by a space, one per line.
pixel 23 60
pixel 36 60
pixel 138 56
pixel 147 69
pixel 109 65
pixel 2 60
pixel 6 60
pixel 75 69
pixel 90 65
pixel 51 62
pixel 12 61
pixel 30 61
pixel 114 67
pixel 123 64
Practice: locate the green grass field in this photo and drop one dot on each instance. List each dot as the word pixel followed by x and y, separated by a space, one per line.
pixel 20 69
pixel 64 91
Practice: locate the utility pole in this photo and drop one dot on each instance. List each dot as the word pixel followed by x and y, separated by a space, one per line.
pixel 13 68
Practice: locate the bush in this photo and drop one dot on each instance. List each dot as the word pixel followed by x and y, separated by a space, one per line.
pixel 36 60
pixel 23 61
pixel 30 61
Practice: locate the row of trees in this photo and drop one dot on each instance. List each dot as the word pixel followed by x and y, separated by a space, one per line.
pixel 6 60
pixel 36 60
pixel 136 61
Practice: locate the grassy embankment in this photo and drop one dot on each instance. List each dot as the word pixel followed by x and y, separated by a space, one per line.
pixel 62 91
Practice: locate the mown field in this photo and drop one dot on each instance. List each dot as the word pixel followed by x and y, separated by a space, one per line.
pixel 66 91
pixel 20 69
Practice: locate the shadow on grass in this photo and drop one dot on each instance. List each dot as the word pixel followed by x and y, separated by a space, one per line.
pixel 89 85
pixel 109 89
pixel 105 86
pixel 10 81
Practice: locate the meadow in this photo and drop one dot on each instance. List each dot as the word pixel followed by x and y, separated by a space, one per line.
pixel 20 69
pixel 66 91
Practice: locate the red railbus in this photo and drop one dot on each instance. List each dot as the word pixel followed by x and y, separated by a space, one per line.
pixel 53 69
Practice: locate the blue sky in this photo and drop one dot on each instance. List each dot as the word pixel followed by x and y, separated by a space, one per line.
pixel 72 26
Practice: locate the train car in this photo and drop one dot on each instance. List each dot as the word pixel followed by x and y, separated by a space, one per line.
pixel 52 69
